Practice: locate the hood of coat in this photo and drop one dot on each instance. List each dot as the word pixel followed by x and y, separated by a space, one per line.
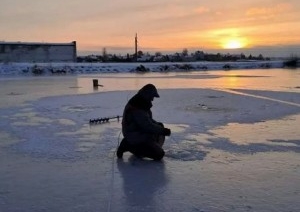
pixel 139 101
pixel 148 92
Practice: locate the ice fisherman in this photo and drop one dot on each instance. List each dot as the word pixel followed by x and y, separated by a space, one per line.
pixel 143 136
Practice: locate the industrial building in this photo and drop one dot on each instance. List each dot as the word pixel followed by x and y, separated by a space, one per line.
pixel 37 52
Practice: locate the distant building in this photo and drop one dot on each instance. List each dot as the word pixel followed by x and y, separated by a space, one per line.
pixel 37 52
pixel 144 58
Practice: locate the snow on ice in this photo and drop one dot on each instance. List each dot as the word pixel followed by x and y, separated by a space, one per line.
pixel 234 147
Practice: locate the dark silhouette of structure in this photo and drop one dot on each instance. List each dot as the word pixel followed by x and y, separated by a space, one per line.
pixel 38 52
pixel 136 43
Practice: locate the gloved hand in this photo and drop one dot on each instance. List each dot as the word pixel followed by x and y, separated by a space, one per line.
pixel 160 124
pixel 167 132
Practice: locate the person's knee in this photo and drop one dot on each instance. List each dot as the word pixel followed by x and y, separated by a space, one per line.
pixel 159 155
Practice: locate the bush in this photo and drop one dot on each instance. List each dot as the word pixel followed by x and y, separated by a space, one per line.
pixel 292 62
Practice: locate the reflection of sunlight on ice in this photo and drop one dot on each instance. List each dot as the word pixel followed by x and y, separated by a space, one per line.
pixel 262 132
pixel 231 81
pixel 271 135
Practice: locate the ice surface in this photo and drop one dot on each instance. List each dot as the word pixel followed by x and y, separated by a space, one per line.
pixel 234 146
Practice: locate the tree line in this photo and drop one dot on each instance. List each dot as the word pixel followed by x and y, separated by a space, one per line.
pixel 183 56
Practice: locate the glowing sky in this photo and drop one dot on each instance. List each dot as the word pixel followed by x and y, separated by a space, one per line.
pixel 164 25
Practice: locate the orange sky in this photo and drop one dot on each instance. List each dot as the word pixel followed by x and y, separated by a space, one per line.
pixel 165 25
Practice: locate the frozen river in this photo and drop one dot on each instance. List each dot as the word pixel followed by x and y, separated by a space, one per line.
pixel 234 146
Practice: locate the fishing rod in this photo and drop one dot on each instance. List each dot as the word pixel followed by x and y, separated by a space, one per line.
pixel 104 120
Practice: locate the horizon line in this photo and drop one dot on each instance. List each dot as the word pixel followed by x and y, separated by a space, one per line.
pixel 268 51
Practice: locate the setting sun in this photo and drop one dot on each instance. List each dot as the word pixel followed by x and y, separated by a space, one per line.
pixel 231 38
pixel 233 44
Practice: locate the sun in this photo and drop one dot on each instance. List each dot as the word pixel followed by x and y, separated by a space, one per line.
pixel 234 43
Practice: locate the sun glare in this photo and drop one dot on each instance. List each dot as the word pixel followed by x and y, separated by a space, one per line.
pixel 235 43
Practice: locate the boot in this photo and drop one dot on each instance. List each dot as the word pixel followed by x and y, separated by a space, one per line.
pixel 123 147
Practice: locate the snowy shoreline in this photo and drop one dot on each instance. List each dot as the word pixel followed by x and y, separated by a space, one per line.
pixel 31 69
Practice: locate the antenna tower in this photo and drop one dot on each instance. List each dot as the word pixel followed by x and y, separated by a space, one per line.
pixel 136 44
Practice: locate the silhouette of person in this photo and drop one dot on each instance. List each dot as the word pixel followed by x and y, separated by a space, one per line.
pixel 143 136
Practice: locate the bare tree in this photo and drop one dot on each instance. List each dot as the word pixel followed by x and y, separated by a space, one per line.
pixel 185 52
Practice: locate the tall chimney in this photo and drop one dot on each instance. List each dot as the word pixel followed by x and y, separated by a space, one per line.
pixel 136 43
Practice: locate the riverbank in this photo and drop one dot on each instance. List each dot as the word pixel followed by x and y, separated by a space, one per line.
pixel 46 69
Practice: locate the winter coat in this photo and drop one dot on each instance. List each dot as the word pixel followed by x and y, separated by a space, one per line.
pixel 138 125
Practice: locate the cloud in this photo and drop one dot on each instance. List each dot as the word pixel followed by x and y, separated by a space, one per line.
pixel 269 11
pixel 202 10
